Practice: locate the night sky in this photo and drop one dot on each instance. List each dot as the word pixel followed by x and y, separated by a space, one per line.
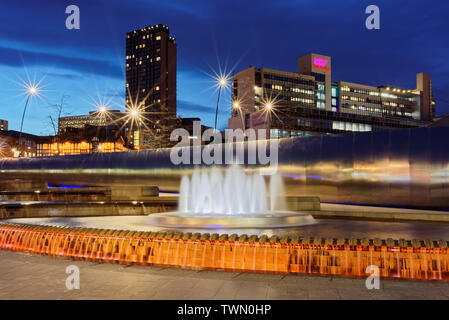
pixel 88 65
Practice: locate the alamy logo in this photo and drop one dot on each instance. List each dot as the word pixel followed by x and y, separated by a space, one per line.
pixel 373 281
pixel 229 151
pixel 73 20
pixel 373 20
pixel 73 280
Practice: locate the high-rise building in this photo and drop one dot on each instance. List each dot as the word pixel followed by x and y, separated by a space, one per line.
pixel 307 102
pixel 151 82
pixel 3 125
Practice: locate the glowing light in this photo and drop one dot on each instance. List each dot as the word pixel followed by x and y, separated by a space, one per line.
pixel 4 147
pixel 223 82
pixel 102 114
pixel 270 107
pixel 220 79
pixel 33 90
pixel 31 87
pixel 260 256
pixel 320 63
pixel 136 114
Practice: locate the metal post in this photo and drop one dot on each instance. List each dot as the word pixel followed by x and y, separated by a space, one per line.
pixel 216 111
pixel 21 125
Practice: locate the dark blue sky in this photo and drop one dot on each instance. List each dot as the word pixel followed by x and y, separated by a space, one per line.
pixel 88 64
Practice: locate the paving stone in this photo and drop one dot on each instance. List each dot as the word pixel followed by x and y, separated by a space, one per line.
pixel 24 276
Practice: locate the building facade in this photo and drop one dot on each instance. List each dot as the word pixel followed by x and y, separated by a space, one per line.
pixel 94 118
pixel 82 140
pixel 151 82
pixel 14 144
pixel 307 102
pixel 3 125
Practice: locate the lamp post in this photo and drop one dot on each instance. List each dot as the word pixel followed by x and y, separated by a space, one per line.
pixel 236 106
pixel 30 91
pixel 135 117
pixel 101 118
pixel 222 82
pixel 269 108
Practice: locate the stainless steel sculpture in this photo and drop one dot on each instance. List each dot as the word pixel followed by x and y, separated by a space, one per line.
pixel 405 168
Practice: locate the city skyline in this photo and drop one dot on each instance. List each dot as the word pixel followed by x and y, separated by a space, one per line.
pixel 259 153
pixel 89 64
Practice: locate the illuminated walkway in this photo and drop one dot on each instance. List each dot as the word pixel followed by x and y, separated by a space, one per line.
pixel 36 277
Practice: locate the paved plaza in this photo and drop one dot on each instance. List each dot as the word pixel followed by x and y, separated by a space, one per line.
pixel 24 276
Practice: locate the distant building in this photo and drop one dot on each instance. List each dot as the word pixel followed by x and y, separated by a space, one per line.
pixel 14 144
pixel 89 139
pixel 151 82
pixel 307 102
pixel 96 132
pixel 189 125
pixel 3 125
pixel 442 121
pixel 94 118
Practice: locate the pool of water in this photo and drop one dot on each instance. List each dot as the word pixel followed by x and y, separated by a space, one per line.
pixel 336 228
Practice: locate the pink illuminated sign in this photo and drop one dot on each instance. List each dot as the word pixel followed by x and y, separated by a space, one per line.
pixel 320 63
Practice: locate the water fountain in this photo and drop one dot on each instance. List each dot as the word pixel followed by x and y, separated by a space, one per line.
pixel 213 200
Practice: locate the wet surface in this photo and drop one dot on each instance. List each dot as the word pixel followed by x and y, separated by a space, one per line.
pixel 324 227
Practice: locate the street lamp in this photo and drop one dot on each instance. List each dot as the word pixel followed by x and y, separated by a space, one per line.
pixel 31 91
pixel 102 109
pixel 222 82
pixel 135 117
pixel 236 106
pixel 269 109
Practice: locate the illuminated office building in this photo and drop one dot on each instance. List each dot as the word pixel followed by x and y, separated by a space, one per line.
pixel 307 102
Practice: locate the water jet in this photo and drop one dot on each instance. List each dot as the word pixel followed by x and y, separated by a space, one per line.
pixel 211 199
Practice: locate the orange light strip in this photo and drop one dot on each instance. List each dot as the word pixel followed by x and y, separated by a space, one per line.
pixel 127 247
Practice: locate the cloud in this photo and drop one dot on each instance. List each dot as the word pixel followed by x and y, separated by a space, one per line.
pixel 186 106
pixel 65 75
pixel 263 33
pixel 19 58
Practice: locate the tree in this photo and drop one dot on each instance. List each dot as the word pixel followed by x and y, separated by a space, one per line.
pixel 57 112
